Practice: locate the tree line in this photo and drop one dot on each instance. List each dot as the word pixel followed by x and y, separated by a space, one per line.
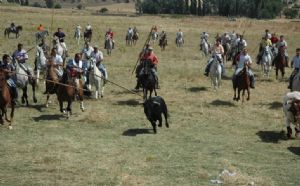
pixel 248 8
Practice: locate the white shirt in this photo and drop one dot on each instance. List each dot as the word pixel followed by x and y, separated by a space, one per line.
pixel 57 60
pixel 88 27
pixel 98 55
pixel 78 27
pixel 130 31
pixel 22 55
pixel 243 42
pixel 179 34
pixel 296 62
pixel 244 59
pixel 268 34
pixel 281 43
pixel 73 64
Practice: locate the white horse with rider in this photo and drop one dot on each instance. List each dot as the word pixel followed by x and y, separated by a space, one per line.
pixel 266 61
pixel 215 72
pixel 77 34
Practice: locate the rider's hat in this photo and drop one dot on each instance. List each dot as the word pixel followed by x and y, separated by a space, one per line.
pixel 150 48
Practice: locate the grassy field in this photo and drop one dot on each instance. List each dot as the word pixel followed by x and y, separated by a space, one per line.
pixel 111 143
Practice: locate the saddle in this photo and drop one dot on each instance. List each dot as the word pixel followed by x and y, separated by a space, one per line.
pixel 295 109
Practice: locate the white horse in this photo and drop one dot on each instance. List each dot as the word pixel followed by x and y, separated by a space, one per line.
pixel 22 80
pixel 205 46
pixel 96 78
pixel 215 73
pixel 77 35
pixel 40 63
pixel 179 41
pixel 108 45
pixel 154 36
pixel 266 61
pixel 290 118
pixel 60 49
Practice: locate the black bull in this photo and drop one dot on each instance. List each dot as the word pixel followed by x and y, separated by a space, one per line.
pixel 154 107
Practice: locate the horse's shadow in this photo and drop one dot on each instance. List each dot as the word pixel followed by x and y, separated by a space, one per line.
pixel 225 77
pixel 37 107
pixel 48 117
pixel 130 102
pixel 275 105
pixel 135 132
pixel 222 103
pixel 197 89
pixel 271 136
pixel 295 150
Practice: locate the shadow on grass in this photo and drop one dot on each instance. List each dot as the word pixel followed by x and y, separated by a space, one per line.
pixel 37 107
pixel 130 102
pixel 48 117
pixel 275 105
pixel 135 132
pixel 197 89
pixel 225 77
pixel 295 150
pixel 222 103
pixel 271 136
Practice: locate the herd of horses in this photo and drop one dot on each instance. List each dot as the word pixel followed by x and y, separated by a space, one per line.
pixel 66 89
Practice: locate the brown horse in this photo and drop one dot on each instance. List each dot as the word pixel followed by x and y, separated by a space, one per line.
pixel 51 86
pixel 163 42
pixel 5 99
pixel 280 62
pixel 242 82
pixel 67 91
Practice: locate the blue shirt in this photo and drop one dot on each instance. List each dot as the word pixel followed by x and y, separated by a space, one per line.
pixel 296 62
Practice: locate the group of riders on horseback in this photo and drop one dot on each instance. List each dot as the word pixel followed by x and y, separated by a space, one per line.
pixel 76 68
pixel 238 52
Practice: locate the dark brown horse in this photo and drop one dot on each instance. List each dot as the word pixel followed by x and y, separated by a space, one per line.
pixel 148 80
pixel 17 31
pixel 51 79
pixel 242 82
pixel 163 42
pixel 280 62
pixel 67 91
pixel 5 100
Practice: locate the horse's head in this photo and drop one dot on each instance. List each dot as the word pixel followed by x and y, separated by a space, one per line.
pixel 20 28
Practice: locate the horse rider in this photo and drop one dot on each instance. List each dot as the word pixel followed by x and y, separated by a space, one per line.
pixel 77 30
pixel 88 28
pixel 274 39
pixel 74 67
pixel 225 38
pixel 204 36
pixel 267 34
pixel 135 30
pixel 57 61
pixel 21 57
pixel 264 42
pixel 97 55
pixel 87 51
pixel 45 47
pixel 142 57
pixel 149 56
pixel 217 51
pixel 130 31
pixel 13 27
pixel 9 68
pixel 296 66
pixel 240 44
pixel 41 28
pixel 282 44
pixel 61 36
pixel 110 34
pixel 244 59
pixel 179 35
pixel 163 36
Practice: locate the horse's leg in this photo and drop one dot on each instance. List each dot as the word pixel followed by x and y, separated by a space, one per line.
pixel 25 96
pixel 153 123
pixel 282 72
pixel 102 88
pixel 243 96
pixel 160 120
pixel 276 72
pixel 248 92
pixel 33 84
pixel 11 116
pixel 47 102
pixel 239 95
pixel 69 110
pixel 61 106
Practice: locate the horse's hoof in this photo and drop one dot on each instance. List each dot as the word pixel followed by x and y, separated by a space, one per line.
pixel 9 127
pixel 47 105
pixel 35 100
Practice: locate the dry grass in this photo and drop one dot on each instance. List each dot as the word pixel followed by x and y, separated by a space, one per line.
pixel 110 143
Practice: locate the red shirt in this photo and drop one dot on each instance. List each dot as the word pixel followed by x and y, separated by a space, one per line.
pixel 274 40
pixel 111 34
pixel 152 57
